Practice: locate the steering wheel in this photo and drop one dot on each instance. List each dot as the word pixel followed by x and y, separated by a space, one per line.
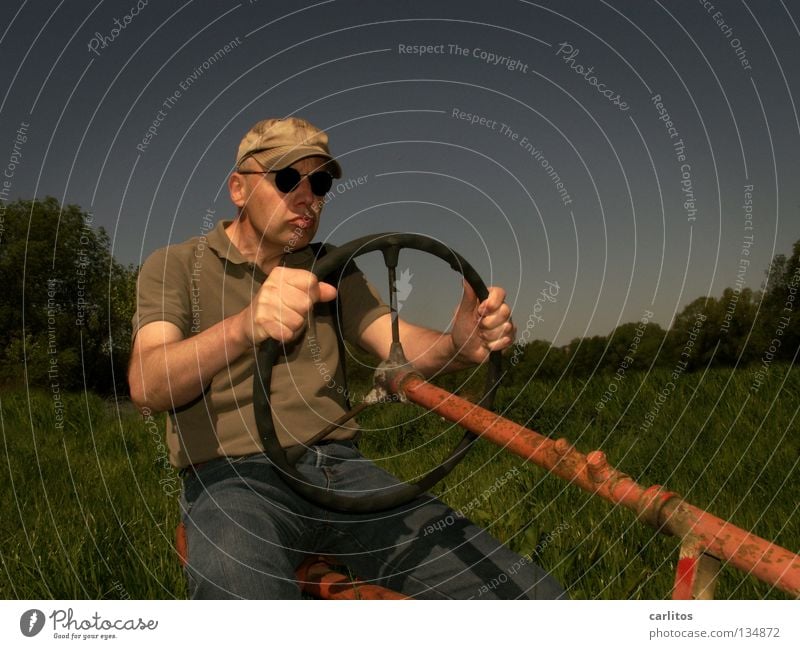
pixel 389 244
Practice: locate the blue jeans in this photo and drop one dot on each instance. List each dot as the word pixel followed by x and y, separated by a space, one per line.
pixel 247 532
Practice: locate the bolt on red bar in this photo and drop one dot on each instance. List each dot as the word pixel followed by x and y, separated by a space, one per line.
pixel 664 510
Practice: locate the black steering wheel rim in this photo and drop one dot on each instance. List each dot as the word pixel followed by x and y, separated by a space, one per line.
pixel 390 243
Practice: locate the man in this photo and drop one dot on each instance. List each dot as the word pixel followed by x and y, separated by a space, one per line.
pixel 203 308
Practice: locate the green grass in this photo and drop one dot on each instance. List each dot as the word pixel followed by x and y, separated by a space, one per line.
pixel 735 455
pixel 89 511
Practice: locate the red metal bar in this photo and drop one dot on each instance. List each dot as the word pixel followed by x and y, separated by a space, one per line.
pixel 317 577
pixel 662 509
pixel 180 543
pixel 696 573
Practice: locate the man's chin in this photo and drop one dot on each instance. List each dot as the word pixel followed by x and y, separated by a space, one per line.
pixel 299 238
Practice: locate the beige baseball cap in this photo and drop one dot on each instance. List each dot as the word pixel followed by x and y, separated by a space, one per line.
pixel 278 143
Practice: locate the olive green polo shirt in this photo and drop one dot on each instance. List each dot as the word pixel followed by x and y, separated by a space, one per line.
pixel 200 282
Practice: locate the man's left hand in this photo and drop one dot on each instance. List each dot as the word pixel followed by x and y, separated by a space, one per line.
pixel 482 327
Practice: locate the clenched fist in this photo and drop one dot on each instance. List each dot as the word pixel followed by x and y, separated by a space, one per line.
pixel 280 307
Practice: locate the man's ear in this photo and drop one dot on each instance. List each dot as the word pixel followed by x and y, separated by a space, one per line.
pixel 237 189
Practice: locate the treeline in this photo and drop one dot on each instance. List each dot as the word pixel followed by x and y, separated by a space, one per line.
pixel 65 303
pixel 66 308
pixel 741 328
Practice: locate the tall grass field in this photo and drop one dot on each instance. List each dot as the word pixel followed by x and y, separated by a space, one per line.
pixel 89 506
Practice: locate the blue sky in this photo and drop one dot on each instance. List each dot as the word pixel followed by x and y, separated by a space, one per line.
pixel 606 147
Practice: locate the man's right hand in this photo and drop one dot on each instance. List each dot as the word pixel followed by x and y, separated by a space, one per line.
pixel 280 307
pixel 168 371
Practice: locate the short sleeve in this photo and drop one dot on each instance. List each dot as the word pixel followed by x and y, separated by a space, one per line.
pixel 162 291
pixel 360 304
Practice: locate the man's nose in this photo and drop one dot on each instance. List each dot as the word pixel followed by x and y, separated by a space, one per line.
pixel 302 191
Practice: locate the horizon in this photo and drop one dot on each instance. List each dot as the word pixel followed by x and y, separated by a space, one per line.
pixel 628 152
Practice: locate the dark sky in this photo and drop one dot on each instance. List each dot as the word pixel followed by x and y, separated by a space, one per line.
pixel 574 83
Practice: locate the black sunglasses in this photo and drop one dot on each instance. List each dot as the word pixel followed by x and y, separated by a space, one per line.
pixel 287 179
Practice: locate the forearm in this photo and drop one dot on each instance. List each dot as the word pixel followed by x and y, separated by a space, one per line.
pixel 174 373
pixel 429 351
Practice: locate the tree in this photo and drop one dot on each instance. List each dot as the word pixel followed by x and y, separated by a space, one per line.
pixel 65 304
pixel 586 355
pixel 634 346
pixel 781 304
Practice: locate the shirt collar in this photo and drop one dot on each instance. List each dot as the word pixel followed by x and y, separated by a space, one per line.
pixel 219 241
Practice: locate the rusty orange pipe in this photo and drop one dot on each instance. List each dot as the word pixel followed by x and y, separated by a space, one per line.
pixel 664 510
pixel 318 578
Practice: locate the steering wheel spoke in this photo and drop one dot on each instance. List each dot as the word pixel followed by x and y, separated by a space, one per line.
pixel 294 453
pixel 391 255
